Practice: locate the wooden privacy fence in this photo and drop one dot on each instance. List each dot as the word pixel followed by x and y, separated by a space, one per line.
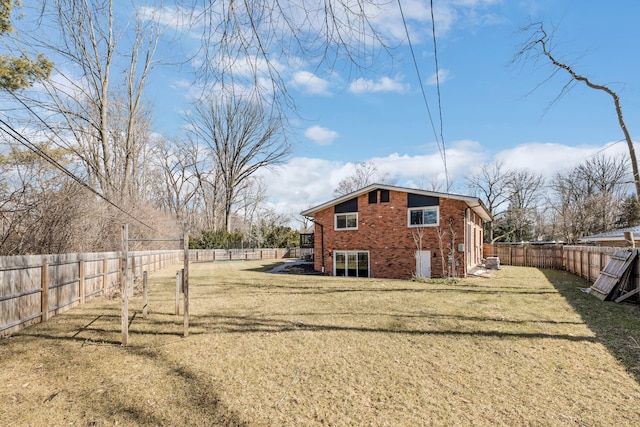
pixel 204 255
pixel 584 261
pixel 36 287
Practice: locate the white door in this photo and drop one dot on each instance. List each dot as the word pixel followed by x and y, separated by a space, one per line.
pixel 423 264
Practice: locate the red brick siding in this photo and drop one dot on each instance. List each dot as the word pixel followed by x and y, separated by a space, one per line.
pixel 383 231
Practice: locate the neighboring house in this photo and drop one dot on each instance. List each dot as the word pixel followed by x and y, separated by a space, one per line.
pixel 613 238
pixel 395 232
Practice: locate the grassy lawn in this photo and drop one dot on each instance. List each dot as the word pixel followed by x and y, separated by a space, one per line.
pixel 523 347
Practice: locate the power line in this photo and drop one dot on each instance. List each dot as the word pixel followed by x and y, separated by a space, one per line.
pixel 64 145
pixel 441 147
pixel 10 131
pixel 435 56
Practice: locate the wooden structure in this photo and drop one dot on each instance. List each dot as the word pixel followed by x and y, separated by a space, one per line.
pixel 57 283
pixel 615 276
pixel 588 262
pixel 34 288
pixel 584 261
pixel 126 281
pixel 614 281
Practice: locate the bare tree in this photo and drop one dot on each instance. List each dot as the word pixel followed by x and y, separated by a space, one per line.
pixel 448 253
pixel 93 111
pixel 242 137
pixel 539 45
pixel 176 185
pixel 364 174
pixel 97 95
pixel 490 184
pixel 524 192
pixel 251 196
pixel 588 198
pixel 40 209
pixel 241 41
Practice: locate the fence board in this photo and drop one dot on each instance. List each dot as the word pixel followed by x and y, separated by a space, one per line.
pixel 584 261
pixel 36 287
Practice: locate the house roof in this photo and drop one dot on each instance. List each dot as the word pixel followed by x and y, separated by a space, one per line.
pixel 612 235
pixel 474 203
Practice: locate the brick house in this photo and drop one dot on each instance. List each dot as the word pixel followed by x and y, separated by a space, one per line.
pixel 395 232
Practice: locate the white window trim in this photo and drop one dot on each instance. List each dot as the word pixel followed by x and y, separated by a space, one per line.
pixel 422 208
pixel 335 221
pixel 346 254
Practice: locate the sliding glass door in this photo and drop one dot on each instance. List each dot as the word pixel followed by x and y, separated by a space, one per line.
pixel 351 263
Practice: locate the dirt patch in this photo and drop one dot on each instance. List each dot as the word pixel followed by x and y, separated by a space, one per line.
pixel 300 269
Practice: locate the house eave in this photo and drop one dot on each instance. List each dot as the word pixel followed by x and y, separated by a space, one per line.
pixel 474 203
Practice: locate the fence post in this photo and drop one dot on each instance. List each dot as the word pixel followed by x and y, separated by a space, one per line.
pixel 44 295
pixel 178 289
pixel 145 299
pixel 124 258
pixel 81 289
pixel 185 285
pixel 105 275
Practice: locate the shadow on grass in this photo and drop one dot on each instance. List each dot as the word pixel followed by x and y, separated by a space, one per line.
pixel 94 334
pixel 617 326
pixel 324 290
pixel 251 324
pixel 263 268
pixel 197 400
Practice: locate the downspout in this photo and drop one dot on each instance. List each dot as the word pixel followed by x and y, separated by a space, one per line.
pixel 321 241
pixel 467 240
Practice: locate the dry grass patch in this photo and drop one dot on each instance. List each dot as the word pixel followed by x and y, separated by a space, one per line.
pixel 524 347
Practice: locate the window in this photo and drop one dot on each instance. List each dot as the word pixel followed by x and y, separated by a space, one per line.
pixel 373 197
pixel 421 217
pixel 351 263
pixel 346 221
pixel 384 196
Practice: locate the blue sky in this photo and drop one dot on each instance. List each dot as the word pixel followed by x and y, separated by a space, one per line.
pixel 490 109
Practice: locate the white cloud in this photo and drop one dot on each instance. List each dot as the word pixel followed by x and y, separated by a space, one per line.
pixel 551 158
pixel 321 135
pixel 178 18
pixel 449 16
pixel 310 83
pixel 441 76
pixel 385 84
pixel 303 182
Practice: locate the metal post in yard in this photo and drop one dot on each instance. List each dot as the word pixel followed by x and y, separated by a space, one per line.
pixel 145 292
pixel 124 313
pixel 185 285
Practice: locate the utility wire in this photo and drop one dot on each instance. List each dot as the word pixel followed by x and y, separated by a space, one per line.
pixel 64 145
pixel 435 56
pixel 10 131
pixel 441 147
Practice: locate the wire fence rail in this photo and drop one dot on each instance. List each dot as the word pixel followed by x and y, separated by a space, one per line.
pixel 34 288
